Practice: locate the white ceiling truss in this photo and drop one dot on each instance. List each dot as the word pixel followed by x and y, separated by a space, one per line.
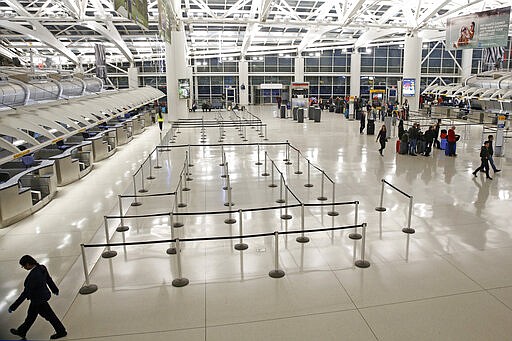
pixel 66 30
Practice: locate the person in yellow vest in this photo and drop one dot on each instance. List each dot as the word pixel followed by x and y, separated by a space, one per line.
pixel 160 120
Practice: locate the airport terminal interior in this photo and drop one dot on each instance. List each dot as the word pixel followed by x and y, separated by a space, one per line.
pixel 258 169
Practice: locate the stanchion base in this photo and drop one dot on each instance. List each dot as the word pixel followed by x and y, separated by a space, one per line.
pixel 230 221
pixel 191 165
pixel 221 164
pixel 190 179
pixel 151 178
pixel 272 185
pixel 182 204
pixel 171 251
pixel 185 189
pixel 258 163
pixel 241 246
pixel 88 289
pixel 308 185
pixel 280 201
pixel 355 236
pixel 201 142
pixel 265 174
pixel 380 209
pixel 177 225
pixel 180 282
pixel 408 230
pixel 223 176
pixel 286 217
pixel 245 140
pixel 297 172
pixel 227 204
pixel 109 254
pixel 143 190
pixel 333 214
pixel 225 188
pixel 265 139
pixel 178 132
pixel 362 264
pixel 157 167
pixel 286 160
pixel 322 198
pixel 302 239
pixel 288 163
pixel 276 273
pixel 136 203
pixel 122 228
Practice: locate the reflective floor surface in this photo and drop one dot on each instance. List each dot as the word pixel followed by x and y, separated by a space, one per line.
pixel 451 280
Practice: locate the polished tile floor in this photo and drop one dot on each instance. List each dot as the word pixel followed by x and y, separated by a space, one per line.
pixel 453 281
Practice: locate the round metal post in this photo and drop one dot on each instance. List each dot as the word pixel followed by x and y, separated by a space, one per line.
pixel 281 200
pixel 298 171
pixel 184 179
pixel 266 138
pixel 286 216
pixel 265 172
pixel 355 235
pixel 87 288
pixel 286 151
pixel 230 219
pixel 276 273
pixel 333 213
pixel 107 253
pixel 272 184
pixel 190 164
pixel 259 162
pixel 241 245
pixel 245 134
pixel 180 281
pixel 172 249
pixel 381 208
pixel 408 229
pixel 157 159
pixel 142 190
pixel 180 190
pixel 225 169
pixel 150 177
pixel 135 202
pixel 322 197
pixel 362 263
pixel 222 156
pixel 122 227
pixel 177 223
pixel 309 184
pixel 302 238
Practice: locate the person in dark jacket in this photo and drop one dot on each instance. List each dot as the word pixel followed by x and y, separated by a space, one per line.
pixel 484 157
pixel 381 137
pixel 401 129
pixel 437 143
pixel 490 138
pixel 36 291
pixel 362 122
pixel 413 139
pixel 429 139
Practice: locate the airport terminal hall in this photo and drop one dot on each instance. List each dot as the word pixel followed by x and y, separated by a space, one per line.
pixel 225 170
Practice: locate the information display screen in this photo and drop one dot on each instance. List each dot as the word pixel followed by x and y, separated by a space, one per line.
pixel 184 88
pixel 409 87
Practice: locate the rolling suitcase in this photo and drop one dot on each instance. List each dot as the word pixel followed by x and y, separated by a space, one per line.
pixel 403 148
pixel 331 108
pixel 397 146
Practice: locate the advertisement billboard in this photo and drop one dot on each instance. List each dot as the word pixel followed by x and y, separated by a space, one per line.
pixel 408 87
pixel 184 88
pixel 482 29
pixel 164 20
pixel 135 10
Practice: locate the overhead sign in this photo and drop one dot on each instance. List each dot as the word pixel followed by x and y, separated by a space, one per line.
pixel 164 20
pixel 136 10
pixel 271 86
pixel 482 29
pixel 408 87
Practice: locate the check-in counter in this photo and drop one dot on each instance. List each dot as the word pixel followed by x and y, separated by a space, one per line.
pixel 442 111
pixel 104 143
pixel 24 191
pixel 124 130
pixel 138 124
pixel 72 161
pixel 148 117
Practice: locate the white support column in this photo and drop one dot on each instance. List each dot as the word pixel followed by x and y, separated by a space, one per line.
pixel 176 68
pixel 355 82
pixel 133 77
pixel 467 62
pixel 412 67
pixel 299 69
pixel 243 79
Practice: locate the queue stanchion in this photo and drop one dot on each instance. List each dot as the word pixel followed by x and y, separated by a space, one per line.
pixel 230 219
pixel 259 162
pixel 355 235
pixel 190 164
pixel 245 134
pixel 180 281
pixel 180 190
pixel 276 273
pixel 177 223
pixel 222 156
pixel 142 190
pixel 187 169
pixel 287 159
pixel 226 169
pixel 409 229
pixel 363 263
pixel 107 253
pixel 333 213
pixel 286 216
pixel 265 137
pixel 309 184
pixel 184 179
pixel 272 184
pixel 220 134
pixel 87 288
pixel 241 245
pixel 172 249
pixel 150 177
pixel 265 172
pixel 122 227
pixel 157 166
pixel 298 171
pixel 261 129
pixel 302 238
pixel 322 197
pixel 135 202
pixel 381 208
pixel 281 200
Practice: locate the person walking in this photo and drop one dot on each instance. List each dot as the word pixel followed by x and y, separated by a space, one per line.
pixel 36 291
pixel 362 122
pixel 160 120
pixel 437 128
pixel 381 137
pixel 490 138
pixel 484 157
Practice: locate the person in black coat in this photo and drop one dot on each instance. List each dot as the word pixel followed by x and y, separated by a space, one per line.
pixel 484 157
pixel 362 121
pixel 36 291
pixel 429 136
pixel 381 137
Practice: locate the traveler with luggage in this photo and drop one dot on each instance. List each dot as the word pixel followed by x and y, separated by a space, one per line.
pixel 484 158
pixel 381 137
pixel 490 138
